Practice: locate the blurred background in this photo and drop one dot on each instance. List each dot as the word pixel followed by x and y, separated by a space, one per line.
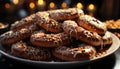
pixel 12 10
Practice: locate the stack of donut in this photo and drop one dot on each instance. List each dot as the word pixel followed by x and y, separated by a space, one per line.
pixel 64 34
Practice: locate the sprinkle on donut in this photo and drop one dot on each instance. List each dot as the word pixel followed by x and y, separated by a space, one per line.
pixel 74 54
pixel 43 20
pixel 71 28
pixel 92 24
pixel 49 40
pixel 21 49
pixel 11 37
pixel 64 14
pixel 27 21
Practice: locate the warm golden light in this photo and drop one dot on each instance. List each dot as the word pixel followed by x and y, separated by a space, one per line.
pixel 79 5
pixel 7 5
pixel 91 7
pixel 15 2
pixel 40 2
pixel 52 5
pixel 32 5
pixel 64 5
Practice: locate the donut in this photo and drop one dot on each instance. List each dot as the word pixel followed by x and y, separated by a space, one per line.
pixel 49 40
pixel 43 20
pixel 72 29
pixel 74 54
pixel 12 37
pixel 28 21
pixel 92 24
pixel 107 39
pixel 64 14
pixel 22 50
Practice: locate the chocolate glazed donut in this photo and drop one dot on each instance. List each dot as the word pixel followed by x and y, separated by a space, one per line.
pixel 22 50
pixel 49 40
pixel 71 28
pixel 12 37
pixel 28 21
pixel 64 14
pixel 92 24
pixel 74 54
pixel 43 20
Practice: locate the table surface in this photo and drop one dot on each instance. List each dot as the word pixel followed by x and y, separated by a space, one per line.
pixel 110 62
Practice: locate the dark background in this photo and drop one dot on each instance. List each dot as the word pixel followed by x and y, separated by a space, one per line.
pixel 105 9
